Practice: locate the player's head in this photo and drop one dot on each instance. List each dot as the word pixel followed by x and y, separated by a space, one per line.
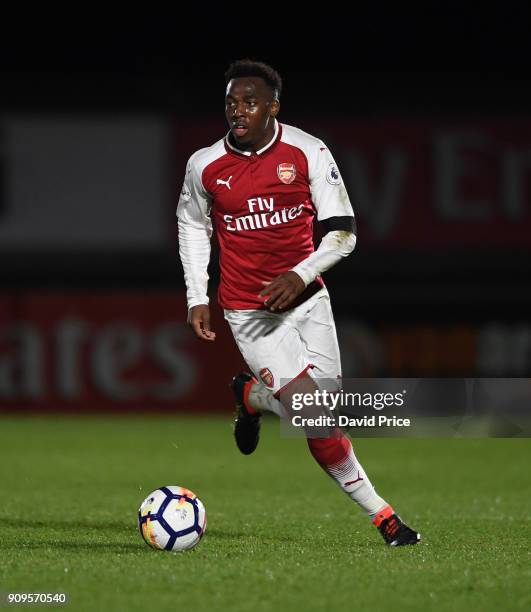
pixel 252 102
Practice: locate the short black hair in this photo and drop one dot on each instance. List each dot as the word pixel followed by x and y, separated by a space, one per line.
pixel 248 67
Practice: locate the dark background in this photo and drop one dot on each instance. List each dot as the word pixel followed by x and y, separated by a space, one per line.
pixel 438 58
pixel 436 63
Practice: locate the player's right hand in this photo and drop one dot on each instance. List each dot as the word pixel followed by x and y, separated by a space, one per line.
pixel 199 321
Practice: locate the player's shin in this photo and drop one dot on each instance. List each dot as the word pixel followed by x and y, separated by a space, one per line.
pixel 336 456
pixel 333 450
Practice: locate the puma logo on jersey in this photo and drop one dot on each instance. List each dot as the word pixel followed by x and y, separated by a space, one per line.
pixel 226 183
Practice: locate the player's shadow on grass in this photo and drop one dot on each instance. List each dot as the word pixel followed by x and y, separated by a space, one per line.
pixel 95 547
pixel 218 534
pixel 99 526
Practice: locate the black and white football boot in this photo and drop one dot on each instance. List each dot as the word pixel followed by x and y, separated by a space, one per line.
pixel 396 533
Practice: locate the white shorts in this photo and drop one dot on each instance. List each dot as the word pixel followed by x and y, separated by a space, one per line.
pixel 278 347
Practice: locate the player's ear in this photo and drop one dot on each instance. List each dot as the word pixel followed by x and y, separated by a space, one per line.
pixel 275 107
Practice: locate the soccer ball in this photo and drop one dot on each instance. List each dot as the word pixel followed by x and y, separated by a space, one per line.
pixel 172 518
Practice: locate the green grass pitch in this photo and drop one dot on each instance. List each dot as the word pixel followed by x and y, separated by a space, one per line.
pixel 281 535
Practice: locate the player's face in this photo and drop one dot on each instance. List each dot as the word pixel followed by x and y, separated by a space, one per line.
pixel 250 108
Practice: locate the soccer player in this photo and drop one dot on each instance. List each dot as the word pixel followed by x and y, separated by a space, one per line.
pixel 262 186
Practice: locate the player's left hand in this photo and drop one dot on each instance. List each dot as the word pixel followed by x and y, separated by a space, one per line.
pixel 282 290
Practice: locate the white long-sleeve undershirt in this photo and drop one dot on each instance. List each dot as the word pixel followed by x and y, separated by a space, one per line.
pixel 194 251
pixel 334 246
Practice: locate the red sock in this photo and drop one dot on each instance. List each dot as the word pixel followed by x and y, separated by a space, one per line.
pixel 383 514
pixel 337 458
pixel 329 451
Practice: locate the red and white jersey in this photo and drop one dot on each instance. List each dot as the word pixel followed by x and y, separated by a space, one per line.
pixel 262 206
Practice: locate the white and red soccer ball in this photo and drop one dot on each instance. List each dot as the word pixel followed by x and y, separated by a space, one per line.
pixel 172 518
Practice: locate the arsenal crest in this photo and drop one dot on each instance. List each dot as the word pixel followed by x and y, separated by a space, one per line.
pixel 287 173
pixel 267 377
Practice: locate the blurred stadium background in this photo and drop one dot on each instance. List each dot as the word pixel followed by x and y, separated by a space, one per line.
pixel 95 131
pixel 428 113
